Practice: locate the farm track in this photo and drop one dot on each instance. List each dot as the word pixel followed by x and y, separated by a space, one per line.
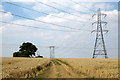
pixel 60 69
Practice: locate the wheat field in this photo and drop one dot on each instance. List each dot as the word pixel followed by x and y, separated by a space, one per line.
pixel 97 68
pixel 21 67
pixel 58 68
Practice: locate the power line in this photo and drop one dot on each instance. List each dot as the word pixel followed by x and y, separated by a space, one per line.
pixel 41 12
pixel 66 7
pixel 37 27
pixel 69 42
pixel 57 47
pixel 70 8
pixel 45 22
pixel 82 5
pixel 58 9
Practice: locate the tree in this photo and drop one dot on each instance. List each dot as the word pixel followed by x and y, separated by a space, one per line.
pixel 15 54
pixel 26 50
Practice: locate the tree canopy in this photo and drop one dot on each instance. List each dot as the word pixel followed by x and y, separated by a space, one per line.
pixel 26 50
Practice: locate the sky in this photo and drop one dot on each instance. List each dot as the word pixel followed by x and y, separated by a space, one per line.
pixel 74 22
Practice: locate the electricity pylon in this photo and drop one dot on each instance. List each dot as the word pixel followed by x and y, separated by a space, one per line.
pixel 99 47
pixel 52 53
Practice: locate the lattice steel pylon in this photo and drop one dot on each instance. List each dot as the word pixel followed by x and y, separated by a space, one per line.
pixel 99 46
pixel 52 55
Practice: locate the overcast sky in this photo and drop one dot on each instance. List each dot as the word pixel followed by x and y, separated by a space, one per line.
pixel 74 14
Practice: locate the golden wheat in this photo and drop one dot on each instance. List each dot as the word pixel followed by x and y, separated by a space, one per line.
pixel 20 67
pixel 97 68
pixel 88 68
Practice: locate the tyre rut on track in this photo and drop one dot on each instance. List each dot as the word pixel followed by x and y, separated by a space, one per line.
pixel 61 69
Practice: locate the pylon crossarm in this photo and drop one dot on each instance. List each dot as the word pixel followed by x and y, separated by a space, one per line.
pixel 103 22
pixel 104 15
pixel 94 23
pixel 106 31
pixel 93 31
pixel 99 54
pixel 93 15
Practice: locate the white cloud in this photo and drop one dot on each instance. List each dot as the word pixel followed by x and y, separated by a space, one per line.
pixel 92 7
pixel 112 16
pixel 103 6
pixel 18 31
pixel 51 18
pixel 31 1
pixel 5 16
pixel 1 8
pixel 42 8
pixel 83 7
pixel 1 29
pixel 115 12
pixel 66 37
pixel 24 1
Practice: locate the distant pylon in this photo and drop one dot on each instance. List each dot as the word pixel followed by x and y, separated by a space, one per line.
pixel 99 47
pixel 52 53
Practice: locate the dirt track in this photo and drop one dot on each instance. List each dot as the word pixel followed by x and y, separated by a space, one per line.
pixel 61 69
pixel 81 68
pixel 64 70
